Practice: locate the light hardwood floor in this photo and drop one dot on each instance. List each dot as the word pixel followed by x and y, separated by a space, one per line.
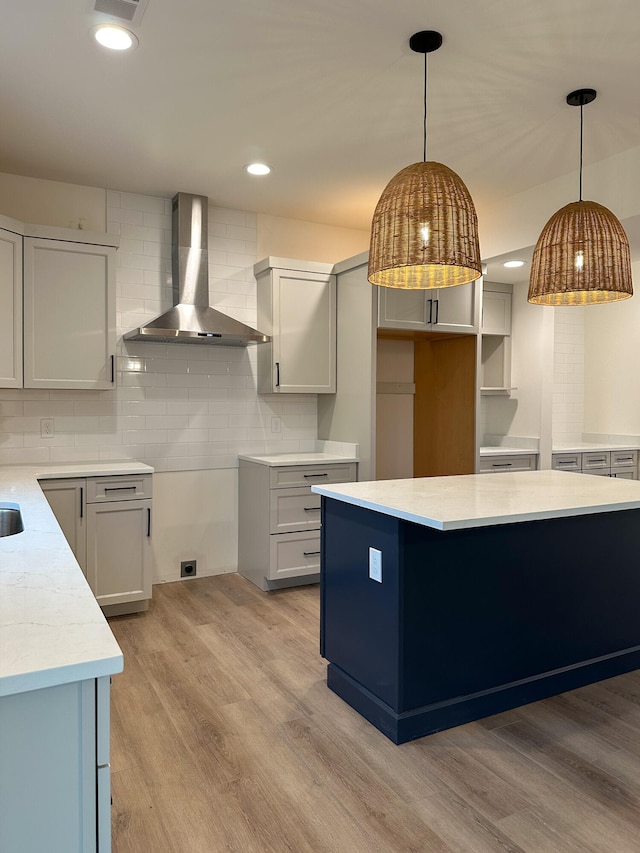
pixel 226 738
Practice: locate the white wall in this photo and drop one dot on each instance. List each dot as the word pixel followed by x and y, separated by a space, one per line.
pixel 612 362
pixel 569 373
pixel 291 238
pixel 41 202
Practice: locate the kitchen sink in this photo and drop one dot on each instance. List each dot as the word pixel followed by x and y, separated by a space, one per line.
pixel 10 519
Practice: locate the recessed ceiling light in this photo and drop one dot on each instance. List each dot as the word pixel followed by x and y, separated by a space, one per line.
pixel 258 169
pixel 513 264
pixel 115 38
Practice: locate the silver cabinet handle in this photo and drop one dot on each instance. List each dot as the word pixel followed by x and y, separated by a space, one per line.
pixel 501 464
pixel 566 462
pixel 309 476
pixel 119 488
pixel 311 553
pixel 624 459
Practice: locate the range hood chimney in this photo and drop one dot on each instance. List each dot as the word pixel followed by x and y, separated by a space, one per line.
pixel 192 320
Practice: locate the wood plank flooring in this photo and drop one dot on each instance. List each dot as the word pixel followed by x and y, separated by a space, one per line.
pixel 226 738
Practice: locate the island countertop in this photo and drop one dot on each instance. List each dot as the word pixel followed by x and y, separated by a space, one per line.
pixel 52 630
pixel 480 500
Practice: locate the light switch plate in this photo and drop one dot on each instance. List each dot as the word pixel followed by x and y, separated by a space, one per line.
pixel 375 564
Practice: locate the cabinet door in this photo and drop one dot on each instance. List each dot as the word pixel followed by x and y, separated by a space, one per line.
pixel 67 500
pixel 69 315
pixel 48 770
pixel 496 313
pixel 454 309
pixel 119 551
pixel 404 309
pixel 304 333
pixel 11 314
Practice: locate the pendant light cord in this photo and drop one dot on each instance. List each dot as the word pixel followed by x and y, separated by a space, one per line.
pixel 424 143
pixel 581 133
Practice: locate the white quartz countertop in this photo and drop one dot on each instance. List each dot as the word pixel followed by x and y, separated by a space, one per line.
pixel 275 460
pixel 479 500
pixel 586 447
pixel 52 630
pixel 507 451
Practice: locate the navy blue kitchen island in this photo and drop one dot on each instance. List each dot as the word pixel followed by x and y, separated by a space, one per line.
pixel 496 590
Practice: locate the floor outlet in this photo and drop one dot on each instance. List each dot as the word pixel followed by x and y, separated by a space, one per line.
pixel 375 564
pixel 188 569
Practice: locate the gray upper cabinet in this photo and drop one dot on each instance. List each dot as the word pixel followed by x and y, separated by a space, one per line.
pixel 297 308
pixel 11 314
pixel 449 309
pixel 69 314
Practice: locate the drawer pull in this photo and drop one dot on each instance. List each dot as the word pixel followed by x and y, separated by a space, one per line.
pixel 311 553
pixel 81 501
pixel 119 488
pixel 596 459
pixel 566 462
pixel 309 476
pixel 311 508
pixel 624 458
pixel 501 464
pixel 148 522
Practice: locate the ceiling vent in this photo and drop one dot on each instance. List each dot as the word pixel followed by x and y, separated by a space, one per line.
pixel 130 11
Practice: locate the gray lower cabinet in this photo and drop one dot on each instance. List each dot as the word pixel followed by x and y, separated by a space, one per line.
pixel 54 769
pixel 500 463
pixel 279 521
pixel 622 464
pixel 107 523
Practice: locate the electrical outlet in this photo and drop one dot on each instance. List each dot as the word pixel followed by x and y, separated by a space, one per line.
pixel 188 569
pixel 46 428
pixel 276 426
pixel 375 565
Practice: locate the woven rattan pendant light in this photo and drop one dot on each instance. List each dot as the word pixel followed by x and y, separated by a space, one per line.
pixel 582 255
pixel 424 232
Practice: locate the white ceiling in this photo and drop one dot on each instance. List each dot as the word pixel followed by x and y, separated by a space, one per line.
pixel 326 91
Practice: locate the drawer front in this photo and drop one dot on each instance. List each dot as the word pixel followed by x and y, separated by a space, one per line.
pixel 293 509
pixel 502 464
pixel 311 475
pixel 294 555
pixel 566 461
pixel 121 488
pixel 624 458
pixel 625 473
pixel 597 472
pixel 596 459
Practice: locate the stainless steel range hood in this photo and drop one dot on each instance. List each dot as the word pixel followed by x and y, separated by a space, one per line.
pixel 192 320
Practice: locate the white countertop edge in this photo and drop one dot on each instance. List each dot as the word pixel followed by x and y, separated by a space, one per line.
pixel 25 682
pixel 507 451
pixel 591 447
pixel 277 460
pixel 50 471
pixel 466 523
